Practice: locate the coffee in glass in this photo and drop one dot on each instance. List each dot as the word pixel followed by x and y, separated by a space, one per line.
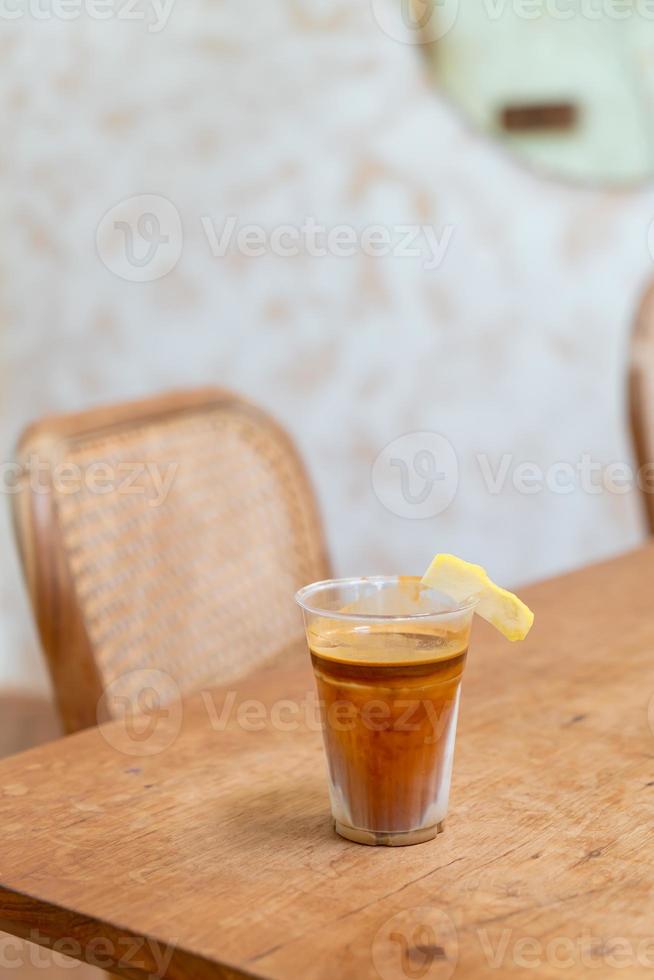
pixel 388 657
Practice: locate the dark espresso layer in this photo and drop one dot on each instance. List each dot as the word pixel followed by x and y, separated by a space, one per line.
pixel 388 731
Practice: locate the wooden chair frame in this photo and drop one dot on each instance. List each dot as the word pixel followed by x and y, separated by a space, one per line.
pixel 48 575
pixel 641 394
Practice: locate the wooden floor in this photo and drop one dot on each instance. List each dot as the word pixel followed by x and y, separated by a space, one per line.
pixel 26 721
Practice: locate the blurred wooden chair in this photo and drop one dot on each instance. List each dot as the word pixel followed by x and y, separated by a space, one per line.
pixel 168 534
pixel 27 721
pixel 641 394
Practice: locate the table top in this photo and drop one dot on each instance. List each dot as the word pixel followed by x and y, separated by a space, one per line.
pixel 206 849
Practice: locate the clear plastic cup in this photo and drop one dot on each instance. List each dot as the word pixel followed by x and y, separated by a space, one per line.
pixel 388 657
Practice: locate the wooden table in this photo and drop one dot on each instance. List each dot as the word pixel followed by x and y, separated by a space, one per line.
pixel 215 857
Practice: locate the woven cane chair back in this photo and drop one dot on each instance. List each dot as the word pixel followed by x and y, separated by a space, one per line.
pixel 167 535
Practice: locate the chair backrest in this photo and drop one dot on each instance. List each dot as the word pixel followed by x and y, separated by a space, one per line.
pixel 641 397
pixel 168 534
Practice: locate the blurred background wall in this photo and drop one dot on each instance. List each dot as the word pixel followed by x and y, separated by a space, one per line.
pixel 601 63
pixel 271 112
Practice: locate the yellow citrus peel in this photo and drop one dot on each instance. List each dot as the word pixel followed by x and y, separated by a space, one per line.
pixel 462 580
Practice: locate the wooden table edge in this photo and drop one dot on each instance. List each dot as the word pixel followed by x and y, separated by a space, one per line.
pixel 30 921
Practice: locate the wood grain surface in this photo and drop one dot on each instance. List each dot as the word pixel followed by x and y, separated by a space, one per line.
pixel 211 853
pixel 27 721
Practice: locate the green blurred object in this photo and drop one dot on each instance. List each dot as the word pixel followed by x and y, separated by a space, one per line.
pixel 568 85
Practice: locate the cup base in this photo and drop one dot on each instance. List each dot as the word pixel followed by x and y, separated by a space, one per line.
pixel 403 839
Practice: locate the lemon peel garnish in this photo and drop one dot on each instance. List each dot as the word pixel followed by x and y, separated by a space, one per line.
pixel 462 580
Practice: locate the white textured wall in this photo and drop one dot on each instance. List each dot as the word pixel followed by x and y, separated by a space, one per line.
pixel 274 111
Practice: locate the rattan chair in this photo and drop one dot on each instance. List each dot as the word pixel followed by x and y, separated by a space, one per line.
pixel 168 534
pixel 641 395
pixel 27 720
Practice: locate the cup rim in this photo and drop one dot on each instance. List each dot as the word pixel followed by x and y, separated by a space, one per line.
pixel 303 595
